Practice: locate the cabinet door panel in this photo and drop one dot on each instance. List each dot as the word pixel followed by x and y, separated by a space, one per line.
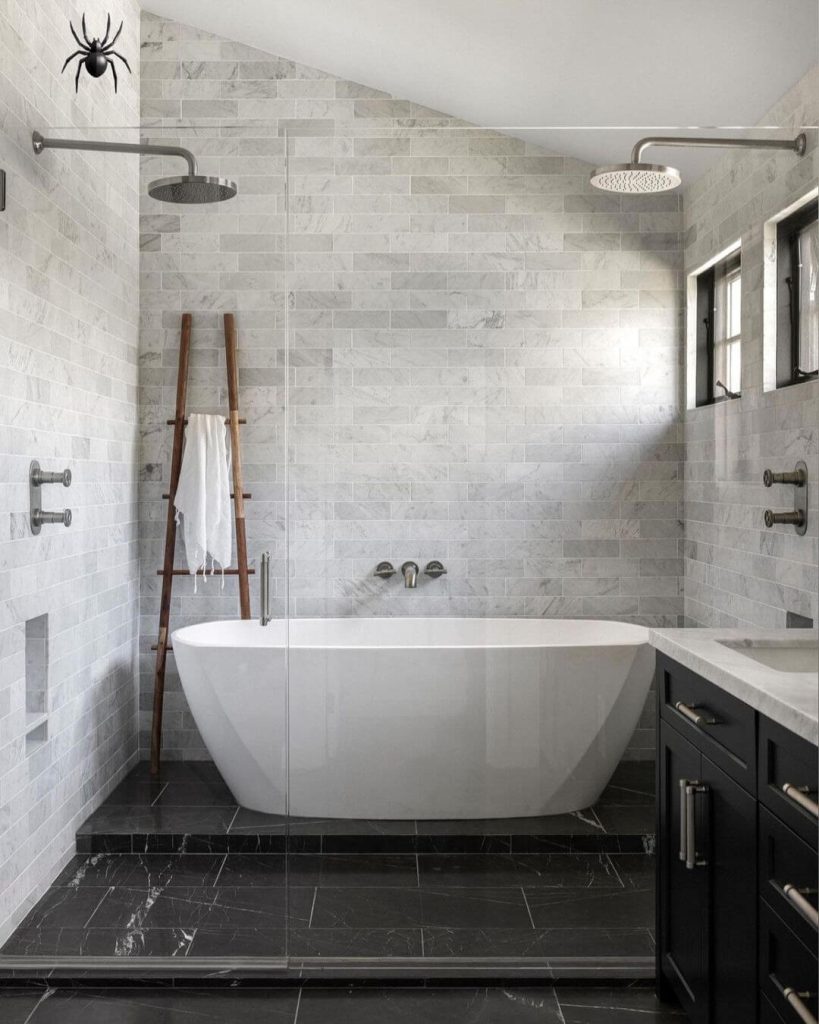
pixel 730 849
pixel 682 897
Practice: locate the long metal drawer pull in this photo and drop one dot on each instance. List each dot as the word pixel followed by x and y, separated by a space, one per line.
pixel 796 999
pixel 683 821
pixel 690 712
pixel 799 795
pixel 691 860
pixel 805 907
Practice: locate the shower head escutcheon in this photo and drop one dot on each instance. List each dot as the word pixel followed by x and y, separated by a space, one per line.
pixel 184 188
pixel 638 178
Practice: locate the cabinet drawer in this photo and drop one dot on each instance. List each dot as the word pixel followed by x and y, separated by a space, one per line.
pixel 788 768
pixel 787 876
pixel 721 726
pixel 786 968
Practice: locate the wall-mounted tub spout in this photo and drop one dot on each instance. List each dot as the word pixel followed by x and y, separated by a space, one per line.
pixel 409 570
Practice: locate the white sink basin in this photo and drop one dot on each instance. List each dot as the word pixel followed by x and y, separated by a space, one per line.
pixel 797 657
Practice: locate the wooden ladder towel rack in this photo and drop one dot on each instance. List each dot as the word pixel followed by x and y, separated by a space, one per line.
pixel 168 572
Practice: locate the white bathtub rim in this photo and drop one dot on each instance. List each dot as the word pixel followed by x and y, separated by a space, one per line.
pixel 281 634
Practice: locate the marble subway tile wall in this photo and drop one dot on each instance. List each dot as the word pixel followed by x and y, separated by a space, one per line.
pixel 484 355
pixel 68 397
pixel 737 573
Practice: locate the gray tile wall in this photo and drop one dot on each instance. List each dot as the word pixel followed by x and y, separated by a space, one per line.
pixel 68 397
pixel 737 572
pixel 484 360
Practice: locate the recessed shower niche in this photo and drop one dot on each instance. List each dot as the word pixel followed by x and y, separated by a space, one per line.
pixel 36 682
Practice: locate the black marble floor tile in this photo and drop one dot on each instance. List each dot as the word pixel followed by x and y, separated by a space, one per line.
pixel 367 908
pixel 222 942
pixel 135 791
pixel 603 843
pixel 407 908
pixel 349 942
pixel 591 908
pixel 65 908
pixel 130 942
pixel 430 1005
pixel 351 827
pixel 208 793
pixel 633 783
pixel 348 870
pixel 548 870
pixel 258 823
pixel 628 820
pixel 17 1005
pixel 576 823
pixel 463 844
pixel 178 771
pixel 125 820
pixel 478 908
pixel 537 942
pixel 141 869
pixel 635 870
pixel 241 869
pixel 213 908
pixel 167 1006
pixel 622 1005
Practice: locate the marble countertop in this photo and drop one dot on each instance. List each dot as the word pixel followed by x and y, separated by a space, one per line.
pixel 789 698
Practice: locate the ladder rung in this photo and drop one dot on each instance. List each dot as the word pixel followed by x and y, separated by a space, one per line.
pixel 168 650
pixel 172 423
pixel 201 572
pixel 244 495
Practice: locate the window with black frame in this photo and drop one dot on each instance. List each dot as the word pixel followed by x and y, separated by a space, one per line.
pixel 797 297
pixel 719 331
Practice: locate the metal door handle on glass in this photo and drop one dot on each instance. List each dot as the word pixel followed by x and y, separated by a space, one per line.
pixel 264 590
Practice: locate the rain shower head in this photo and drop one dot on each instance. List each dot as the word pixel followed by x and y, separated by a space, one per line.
pixel 638 178
pixel 184 188
pixel 192 188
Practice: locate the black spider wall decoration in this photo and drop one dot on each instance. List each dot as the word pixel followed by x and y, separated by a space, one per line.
pixel 96 56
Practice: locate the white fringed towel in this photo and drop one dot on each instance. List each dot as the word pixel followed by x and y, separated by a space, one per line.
pixel 203 494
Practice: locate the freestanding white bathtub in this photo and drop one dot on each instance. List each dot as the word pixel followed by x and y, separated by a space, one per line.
pixel 415 718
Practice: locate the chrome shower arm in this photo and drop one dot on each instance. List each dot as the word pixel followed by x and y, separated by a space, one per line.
pixel 797 145
pixel 40 143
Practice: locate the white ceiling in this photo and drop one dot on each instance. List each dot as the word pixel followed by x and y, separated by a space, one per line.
pixel 632 65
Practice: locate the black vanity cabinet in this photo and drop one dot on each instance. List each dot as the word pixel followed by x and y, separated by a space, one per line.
pixel 730 841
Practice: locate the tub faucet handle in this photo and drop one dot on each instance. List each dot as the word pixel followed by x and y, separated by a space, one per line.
pixel 434 569
pixel 384 570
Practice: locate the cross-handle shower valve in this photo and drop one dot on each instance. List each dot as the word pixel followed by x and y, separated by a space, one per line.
pixel 37 478
pixel 798 518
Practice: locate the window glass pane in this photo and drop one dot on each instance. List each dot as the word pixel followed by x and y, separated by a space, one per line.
pixel 809 298
pixel 727 319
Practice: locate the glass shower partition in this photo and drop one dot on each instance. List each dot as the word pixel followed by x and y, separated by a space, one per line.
pixel 464 359
pixel 182 868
